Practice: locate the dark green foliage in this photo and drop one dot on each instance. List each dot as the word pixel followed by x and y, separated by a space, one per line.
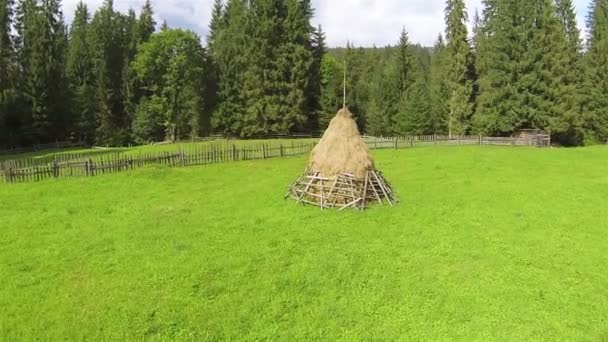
pixel 7 71
pixel 457 66
pixel 314 89
pixel 414 113
pixel 267 71
pixel 170 67
pixel 146 24
pixel 228 52
pixel 331 89
pixel 81 75
pixel 596 75
pixel 149 121
pixel 43 43
pixel 264 59
pixel 438 89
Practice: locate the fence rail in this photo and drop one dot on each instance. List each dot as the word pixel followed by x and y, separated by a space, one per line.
pixel 26 170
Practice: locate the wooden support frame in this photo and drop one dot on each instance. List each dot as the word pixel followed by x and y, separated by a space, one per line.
pixel 343 191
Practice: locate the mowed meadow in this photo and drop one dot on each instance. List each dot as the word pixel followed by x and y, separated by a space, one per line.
pixel 488 243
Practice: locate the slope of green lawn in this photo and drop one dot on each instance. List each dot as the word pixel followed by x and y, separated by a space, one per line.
pixel 487 244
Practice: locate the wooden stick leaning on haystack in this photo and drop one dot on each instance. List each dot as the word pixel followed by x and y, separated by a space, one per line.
pixel 341 172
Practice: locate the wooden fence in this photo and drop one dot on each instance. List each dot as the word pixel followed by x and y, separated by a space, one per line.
pixel 74 165
pixel 540 140
pixel 25 170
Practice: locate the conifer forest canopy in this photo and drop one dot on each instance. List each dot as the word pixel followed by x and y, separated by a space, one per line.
pixel 112 78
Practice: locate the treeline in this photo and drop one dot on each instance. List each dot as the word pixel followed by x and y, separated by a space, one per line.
pixel 524 66
pixel 112 78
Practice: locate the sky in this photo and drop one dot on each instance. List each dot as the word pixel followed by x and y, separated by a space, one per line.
pixel 362 22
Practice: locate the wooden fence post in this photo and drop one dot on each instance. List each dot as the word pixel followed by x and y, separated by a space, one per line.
pixel 282 152
pixel 182 158
pixel 55 168
pixel 396 142
pixel 480 140
pixel 9 175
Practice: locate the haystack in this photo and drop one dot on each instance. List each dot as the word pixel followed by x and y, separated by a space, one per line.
pixel 341 172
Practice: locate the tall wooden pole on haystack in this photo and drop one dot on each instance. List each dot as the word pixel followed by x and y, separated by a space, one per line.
pixel 344 103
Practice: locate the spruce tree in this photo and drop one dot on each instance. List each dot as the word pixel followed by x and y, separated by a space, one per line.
pixel 383 99
pixel 81 75
pixel 596 75
pixel 212 71
pixel 131 92
pixel 502 61
pixel 458 57
pixel 402 76
pixel 146 24
pixel 562 60
pixel 229 53
pixel 331 89
pixel 7 71
pixel 438 88
pixel 319 49
pixel 107 31
pixel 43 45
pixel 216 24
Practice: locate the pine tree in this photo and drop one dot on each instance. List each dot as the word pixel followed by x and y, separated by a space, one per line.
pixel 229 53
pixel 319 49
pixel 108 45
pixel 562 61
pixel 458 60
pixel 131 92
pixel 212 71
pixel 263 86
pixel 357 86
pixel 164 26
pixel 331 89
pixel 216 24
pixel 383 99
pixel 7 71
pixel 297 59
pixel 43 43
pixel 146 23
pixel 417 101
pixel 81 75
pixel 438 88
pixel 596 65
pixel 502 62
pixel 403 75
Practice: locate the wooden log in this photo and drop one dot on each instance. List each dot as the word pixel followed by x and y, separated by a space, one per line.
pixel 382 188
pixel 351 204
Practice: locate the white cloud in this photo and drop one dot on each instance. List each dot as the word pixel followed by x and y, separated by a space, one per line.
pixel 363 22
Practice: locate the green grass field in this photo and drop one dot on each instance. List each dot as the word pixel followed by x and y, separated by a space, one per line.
pixel 504 244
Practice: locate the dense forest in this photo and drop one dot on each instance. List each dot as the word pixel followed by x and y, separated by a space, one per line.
pixel 116 78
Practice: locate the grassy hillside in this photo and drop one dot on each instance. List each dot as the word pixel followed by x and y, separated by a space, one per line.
pixel 75 153
pixel 487 244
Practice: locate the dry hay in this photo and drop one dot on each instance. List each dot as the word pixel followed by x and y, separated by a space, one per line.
pixel 341 172
pixel 341 149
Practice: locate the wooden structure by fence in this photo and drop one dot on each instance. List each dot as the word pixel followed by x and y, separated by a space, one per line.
pixel 75 165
